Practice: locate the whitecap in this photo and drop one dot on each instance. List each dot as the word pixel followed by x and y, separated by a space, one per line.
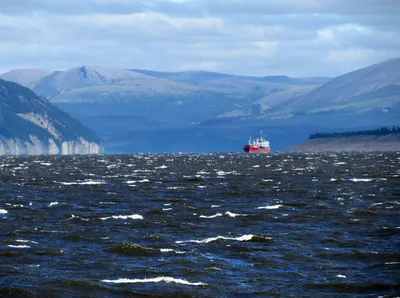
pixel 215 206
pixel 207 240
pixel 167 209
pixel 361 179
pixel 18 246
pixel 234 214
pixel 86 182
pixel 144 180
pixel 341 276
pixel 211 216
pixel 270 207
pixel 161 167
pixel 53 204
pixel 134 216
pixel 3 211
pixel 222 173
pixel 26 241
pixel 156 279
pixel 171 250
pixel 45 164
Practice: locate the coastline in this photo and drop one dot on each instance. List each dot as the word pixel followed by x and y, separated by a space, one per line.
pixel 390 142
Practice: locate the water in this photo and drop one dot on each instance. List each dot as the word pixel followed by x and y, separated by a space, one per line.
pixel 200 225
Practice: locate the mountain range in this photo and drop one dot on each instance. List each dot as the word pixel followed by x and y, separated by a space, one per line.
pixel 152 111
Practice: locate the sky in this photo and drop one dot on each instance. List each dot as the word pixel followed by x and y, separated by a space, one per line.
pixel 251 37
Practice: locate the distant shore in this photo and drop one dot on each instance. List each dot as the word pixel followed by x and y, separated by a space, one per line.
pixel 390 142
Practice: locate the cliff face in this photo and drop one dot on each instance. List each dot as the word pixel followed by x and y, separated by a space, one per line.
pixel 34 146
pixel 29 124
pixel 357 143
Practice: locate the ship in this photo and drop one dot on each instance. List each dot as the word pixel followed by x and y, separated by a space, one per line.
pixel 259 145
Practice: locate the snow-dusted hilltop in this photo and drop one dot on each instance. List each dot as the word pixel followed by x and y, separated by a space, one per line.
pixel 29 124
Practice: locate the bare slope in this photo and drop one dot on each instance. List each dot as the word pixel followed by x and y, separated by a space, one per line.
pixel 25 77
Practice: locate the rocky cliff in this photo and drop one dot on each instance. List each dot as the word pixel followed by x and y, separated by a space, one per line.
pixel 29 124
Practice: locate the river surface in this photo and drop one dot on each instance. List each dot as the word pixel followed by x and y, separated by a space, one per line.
pixel 200 225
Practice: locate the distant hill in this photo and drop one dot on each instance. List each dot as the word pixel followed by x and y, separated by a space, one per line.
pixel 29 124
pixel 365 97
pixel 382 139
pixel 25 77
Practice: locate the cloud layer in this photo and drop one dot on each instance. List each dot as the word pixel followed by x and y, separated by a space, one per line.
pixel 254 37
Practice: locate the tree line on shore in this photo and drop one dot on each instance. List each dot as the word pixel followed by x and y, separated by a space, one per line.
pixel 383 131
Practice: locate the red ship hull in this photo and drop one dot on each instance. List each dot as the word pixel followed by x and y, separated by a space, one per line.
pixel 256 149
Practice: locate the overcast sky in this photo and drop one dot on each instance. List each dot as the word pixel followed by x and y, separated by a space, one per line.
pixel 252 37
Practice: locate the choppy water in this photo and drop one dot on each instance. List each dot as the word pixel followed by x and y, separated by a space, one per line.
pixel 200 225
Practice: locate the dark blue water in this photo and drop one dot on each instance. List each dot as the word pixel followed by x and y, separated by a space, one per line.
pixel 200 225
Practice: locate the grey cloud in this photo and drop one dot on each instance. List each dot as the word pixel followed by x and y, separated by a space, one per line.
pixel 259 37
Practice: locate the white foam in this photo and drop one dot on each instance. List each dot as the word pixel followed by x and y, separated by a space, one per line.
pixel 360 179
pixel 270 207
pixel 211 216
pixel 203 173
pixel 53 204
pixel 171 250
pixel 81 218
pixel 86 182
pixel 156 279
pixel 134 216
pixel 222 173
pixel 207 240
pixel 234 214
pixel 167 209
pixel 144 180
pixel 215 206
pixel 26 241
pixel 161 167
pixel 45 164
pixel 3 211
pixel 18 246
pixel 341 276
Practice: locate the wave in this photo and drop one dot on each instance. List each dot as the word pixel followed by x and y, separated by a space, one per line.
pixel 86 182
pixel 270 207
pixel 134 216
pixel 211 216
pixel 234 214
pixel 136 249
pixel 249 237
pixel 3 211
pixel 155 280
